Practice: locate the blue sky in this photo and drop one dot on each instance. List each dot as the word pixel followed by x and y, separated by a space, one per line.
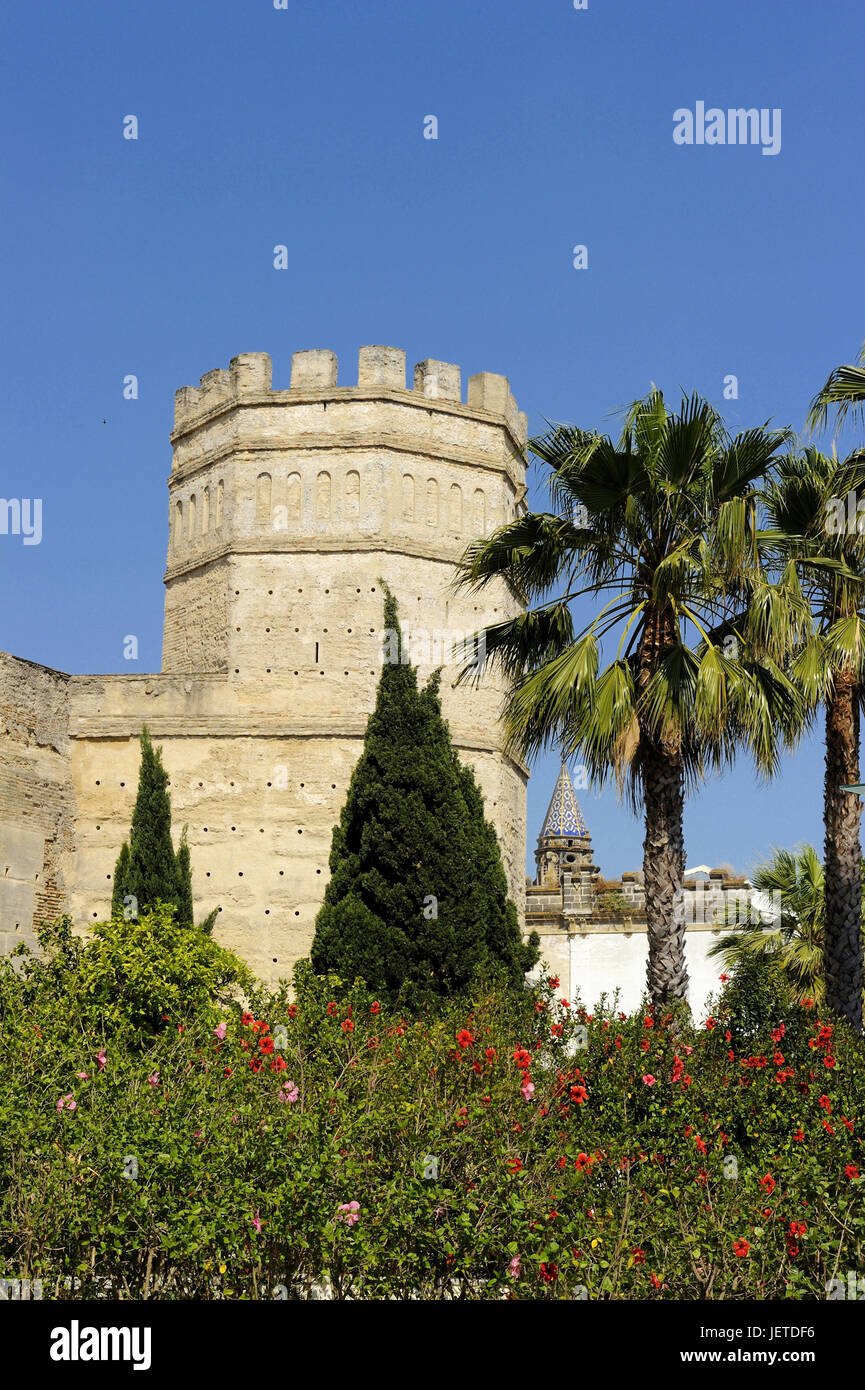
pixel 304 126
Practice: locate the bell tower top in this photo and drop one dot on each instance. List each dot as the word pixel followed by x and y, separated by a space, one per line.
pixel 564 844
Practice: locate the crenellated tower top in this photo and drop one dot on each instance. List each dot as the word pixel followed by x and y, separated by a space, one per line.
pixel 314 376
pixel 299 498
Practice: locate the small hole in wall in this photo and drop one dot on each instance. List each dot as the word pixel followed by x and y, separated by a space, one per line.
pixel 268 670
pixel 98 783
pixel 207 875
pixel 219 909
pixel 296 673
pixel 237 593
pixel 108 876
pixel 274 960
pixel 270 591
pixel 300 832
pixel 281 872
pixel 345 673
pixel 234 827
pixel 237 670
pixel 261 830
pixel 270 784
pixel 372 590
pixel 333 786
pixel 318 871
pixel 240 873
pixel 267 912
pixel 267 629
pixel 99 827
pixel 300 591
pixel 357 591
pixel 237 629
pixel 123 784
pixel 327 591
pixel 297 914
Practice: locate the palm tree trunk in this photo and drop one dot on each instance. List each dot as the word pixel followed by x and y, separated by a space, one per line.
pixel 663 871
pixel 842 941
pixel 664 846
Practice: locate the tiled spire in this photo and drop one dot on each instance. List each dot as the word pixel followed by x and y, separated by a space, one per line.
pixel 564 818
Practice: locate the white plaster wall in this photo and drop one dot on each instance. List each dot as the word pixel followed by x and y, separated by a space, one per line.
pixel 596 963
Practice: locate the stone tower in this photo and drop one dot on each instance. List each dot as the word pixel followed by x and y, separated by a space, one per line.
pixel 288 509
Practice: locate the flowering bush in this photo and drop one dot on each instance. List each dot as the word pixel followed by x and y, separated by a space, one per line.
pixel 519 1146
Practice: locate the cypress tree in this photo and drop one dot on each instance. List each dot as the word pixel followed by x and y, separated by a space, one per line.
pixel 184 881
pixel 148 867
pixel 417 899
pixel 121 873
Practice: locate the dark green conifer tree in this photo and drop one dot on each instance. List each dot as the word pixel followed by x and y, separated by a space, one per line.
pixel 184 881
pixel 148 868
pixel 417 900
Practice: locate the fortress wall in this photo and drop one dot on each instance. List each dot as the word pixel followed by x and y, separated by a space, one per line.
pixel 260 777
pixel 37 804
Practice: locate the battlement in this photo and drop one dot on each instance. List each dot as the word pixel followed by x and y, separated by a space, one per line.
pixel 314 376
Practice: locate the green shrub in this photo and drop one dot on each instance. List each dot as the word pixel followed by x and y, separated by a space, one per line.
pixel 124 977
pixel 651 1162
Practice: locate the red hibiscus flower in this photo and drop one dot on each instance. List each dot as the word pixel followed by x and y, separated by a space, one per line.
pixel 741 1248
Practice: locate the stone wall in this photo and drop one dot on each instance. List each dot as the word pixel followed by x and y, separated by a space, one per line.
pixel 37 803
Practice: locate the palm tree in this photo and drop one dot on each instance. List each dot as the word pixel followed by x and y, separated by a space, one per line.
pixel 845 389
pixel 793 946
pixel 661 524
pixel 811 502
